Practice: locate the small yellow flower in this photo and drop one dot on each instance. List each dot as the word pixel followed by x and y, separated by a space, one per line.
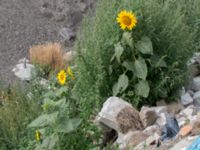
pixel 37 135
pixel 62 77
pixel 69 71
pixel 127 19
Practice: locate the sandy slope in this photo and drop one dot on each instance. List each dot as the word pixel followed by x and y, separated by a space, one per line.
pixel 27 22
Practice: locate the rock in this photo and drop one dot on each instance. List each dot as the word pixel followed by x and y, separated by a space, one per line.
pixel 152 129
pixel 174 107
pixel 182 121
pixel 131 139
pixel 188 112
pixel 119 115
pixel 194 70
pixel 46 12
pixel 196 128
pixel 186 130
pixel 196 95
pixel 67 34
pixel 69 56
pixel 59 17
pixel 82 6
pixel 160 109
pixel 161 103
pixel 162 119
pixel 24 71
pixel 196 98
pixel 128 119
pixel 186 99
pixel 23 60
pixel 196 84
pixel 151 140
pixel 190 92
pixel 148 116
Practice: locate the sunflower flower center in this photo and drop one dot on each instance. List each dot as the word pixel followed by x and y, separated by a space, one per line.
pixel 126 20
pixel 62 77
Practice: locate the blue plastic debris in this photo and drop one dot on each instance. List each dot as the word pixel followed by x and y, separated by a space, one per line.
pixel 195 145
pixel 170 129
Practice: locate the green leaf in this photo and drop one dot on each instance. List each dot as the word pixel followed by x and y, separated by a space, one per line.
pixel 142 88
pixel 145 45
pixel 140 68
pixel 118 51
pixel 50 141
pixel 127 38
pixel 110 69
pixel 50 94
pixel 157 61
pixel 60 103
pixel 128 65
pixel 43 120
pixel 68 125
pixel 61 90
pixel 115 89
pixel 121 85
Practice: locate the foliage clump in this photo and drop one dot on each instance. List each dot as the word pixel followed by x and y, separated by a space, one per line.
pixel 142 65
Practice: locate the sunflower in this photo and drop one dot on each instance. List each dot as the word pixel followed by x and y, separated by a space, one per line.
pixel 62 77
pixel 37 135
pixel 127 19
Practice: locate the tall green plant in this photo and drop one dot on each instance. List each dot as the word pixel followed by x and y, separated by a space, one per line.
pixel 17 110
pixel 162 30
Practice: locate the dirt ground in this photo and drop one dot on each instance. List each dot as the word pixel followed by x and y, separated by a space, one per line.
pixel 28 22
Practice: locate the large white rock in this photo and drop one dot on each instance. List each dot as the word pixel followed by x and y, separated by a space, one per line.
pixel 186 99
pixel 24 70
pixel 121 116
pixel 110 110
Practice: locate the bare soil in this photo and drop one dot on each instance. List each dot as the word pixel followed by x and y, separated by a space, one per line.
pixel 24 23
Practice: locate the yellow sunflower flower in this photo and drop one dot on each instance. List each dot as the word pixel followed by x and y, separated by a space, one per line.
pixel 37 135
pixel 69 71
pixel 127 20
pixel 62 77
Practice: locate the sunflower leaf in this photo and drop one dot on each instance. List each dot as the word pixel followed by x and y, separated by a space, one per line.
pixel 140 68
pixel 121 85
pixel 118 51
pixel 142 88
pixel 145 45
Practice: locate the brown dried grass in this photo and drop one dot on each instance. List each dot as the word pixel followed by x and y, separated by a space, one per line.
pixel 47 54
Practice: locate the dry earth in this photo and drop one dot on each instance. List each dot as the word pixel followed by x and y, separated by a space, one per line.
pixel 27 22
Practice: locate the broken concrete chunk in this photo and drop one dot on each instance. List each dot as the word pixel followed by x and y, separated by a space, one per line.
pixel 119 115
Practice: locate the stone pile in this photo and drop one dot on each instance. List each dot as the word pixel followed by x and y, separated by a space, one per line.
pixel 150 128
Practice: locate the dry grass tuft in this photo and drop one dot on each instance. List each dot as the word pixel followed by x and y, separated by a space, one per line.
pixel 47 54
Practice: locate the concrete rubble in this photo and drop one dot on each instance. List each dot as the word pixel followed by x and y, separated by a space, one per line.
pixel 140 130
